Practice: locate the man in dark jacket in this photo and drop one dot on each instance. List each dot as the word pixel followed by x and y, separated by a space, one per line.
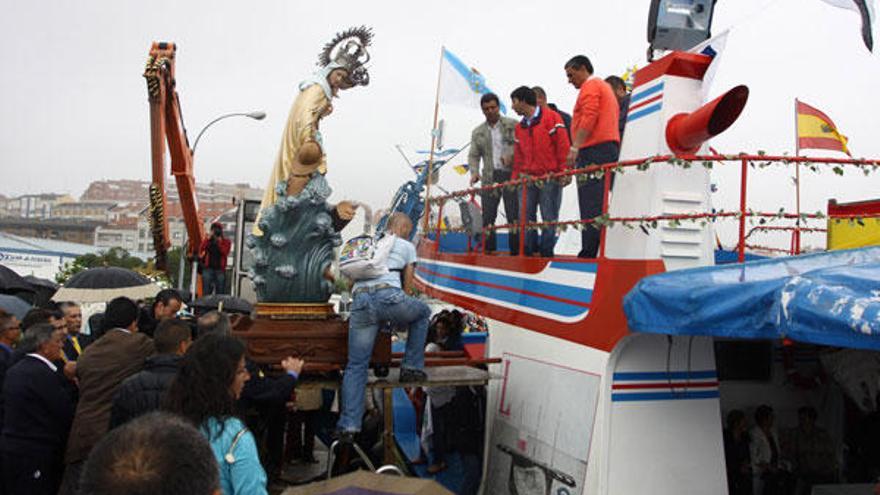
pixel 622 95
pixel 10 331
pixel 165 305
pixel 541 96
pixel 38 414
pixel 143 392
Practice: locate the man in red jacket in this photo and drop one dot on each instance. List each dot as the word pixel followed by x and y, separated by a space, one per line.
pixel 595 140
pixel 212 255
pixel 541 147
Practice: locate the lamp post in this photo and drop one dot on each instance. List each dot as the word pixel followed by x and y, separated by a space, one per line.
pixel 256 115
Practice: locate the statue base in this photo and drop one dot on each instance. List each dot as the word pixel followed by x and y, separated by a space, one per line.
pixel 295 311
pixel 312 332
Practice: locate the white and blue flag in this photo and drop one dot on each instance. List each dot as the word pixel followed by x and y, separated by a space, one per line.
pixel 712 47
pixel 460 84
pixel 865 9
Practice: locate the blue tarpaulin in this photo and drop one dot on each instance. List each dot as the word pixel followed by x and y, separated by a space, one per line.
pixel 829 298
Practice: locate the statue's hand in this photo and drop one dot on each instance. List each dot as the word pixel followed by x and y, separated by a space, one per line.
pixel 346 210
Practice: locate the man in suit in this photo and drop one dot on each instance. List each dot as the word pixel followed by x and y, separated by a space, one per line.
pixel 38 413
pixel 117 355
pixel 492 142
pixel 10 331
pixel 74 341
pixel 55 318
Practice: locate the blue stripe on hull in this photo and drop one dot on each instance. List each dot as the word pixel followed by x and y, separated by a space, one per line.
pixel 578 294
pixel 664 396
pixel 644 112
pixel 632 376
pixel 575 267
pixel 640 95
pixel 526 300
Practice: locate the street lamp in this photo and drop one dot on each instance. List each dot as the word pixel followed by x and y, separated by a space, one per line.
pixel 256 115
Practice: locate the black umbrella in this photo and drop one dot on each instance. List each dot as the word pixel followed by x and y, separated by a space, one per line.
pixel 223 303
pixel 11 282
pixel 40 283
pixel 102 284
pixel 14 305
pixel 43 291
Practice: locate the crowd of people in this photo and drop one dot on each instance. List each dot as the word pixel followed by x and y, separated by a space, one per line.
pixel 547 140
pixel 133 392
pixel 758 463
pixel 452 415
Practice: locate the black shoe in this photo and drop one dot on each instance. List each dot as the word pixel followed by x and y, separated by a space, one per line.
pixel 344 436
pixel 408 375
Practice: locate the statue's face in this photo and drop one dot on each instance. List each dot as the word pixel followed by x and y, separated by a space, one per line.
pixel 338 79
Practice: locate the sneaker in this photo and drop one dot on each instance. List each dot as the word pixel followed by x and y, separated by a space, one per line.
pixel 408 375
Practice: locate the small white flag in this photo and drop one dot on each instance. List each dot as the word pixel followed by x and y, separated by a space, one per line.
pixel 460 84
pixel 712 47
pixel 865 9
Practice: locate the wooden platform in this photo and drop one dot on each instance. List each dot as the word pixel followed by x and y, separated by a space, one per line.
pixel 437 377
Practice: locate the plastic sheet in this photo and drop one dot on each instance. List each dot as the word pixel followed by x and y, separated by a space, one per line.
pixel 829 298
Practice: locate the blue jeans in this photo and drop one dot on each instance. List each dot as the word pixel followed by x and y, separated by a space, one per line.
pixel 213 281
pixel 369 311
pixel 548 195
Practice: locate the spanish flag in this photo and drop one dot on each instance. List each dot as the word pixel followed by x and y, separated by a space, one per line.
pixel 815 130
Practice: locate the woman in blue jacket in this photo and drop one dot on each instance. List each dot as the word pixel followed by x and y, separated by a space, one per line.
pixel 211 377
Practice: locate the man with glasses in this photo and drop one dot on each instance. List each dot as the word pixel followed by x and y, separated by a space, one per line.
pixel 10 332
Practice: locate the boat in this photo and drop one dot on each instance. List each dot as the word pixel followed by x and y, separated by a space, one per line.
pixel 583 403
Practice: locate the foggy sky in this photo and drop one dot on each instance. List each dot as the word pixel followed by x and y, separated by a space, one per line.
pixel 75 104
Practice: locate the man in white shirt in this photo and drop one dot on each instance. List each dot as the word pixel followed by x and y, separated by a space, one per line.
pixel 492 142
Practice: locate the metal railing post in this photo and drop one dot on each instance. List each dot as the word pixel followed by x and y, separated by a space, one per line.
pixel 605 196
pixel 522 218
pixel 439 222
pixel 744 177
pixel 482 228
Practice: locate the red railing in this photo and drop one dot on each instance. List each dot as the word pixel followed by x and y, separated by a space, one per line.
pixel 708 161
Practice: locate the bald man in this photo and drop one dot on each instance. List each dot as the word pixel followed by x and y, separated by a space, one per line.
pixel 376 302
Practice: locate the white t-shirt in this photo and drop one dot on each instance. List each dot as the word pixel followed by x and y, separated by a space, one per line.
pixel 497 145
pixel 403 253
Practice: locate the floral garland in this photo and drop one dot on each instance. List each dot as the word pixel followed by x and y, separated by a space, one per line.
pixel 672 221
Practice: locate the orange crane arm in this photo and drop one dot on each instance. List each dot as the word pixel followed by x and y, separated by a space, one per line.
pixel 166 126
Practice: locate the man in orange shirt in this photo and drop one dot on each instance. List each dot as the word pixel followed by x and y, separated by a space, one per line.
pixel 595 140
